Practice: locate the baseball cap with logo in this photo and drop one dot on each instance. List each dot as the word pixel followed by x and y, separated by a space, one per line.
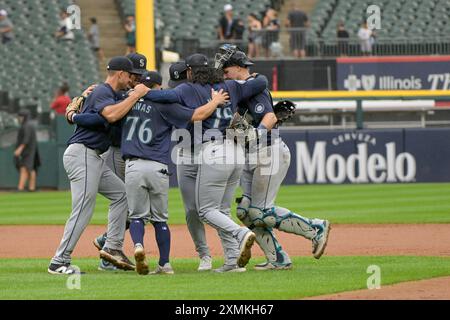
pixel 120 64
pixel 151 77
pixel 197 60
pixel 178 74
pixel 139 63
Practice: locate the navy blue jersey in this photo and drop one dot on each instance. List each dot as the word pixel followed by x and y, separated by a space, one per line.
pixel 116 128
pixel 147 129
pixel 102 96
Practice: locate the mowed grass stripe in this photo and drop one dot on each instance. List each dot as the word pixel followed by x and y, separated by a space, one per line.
pixel 308 278
pixel 390 203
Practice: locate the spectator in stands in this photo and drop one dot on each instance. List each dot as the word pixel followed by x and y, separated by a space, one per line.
pixel 227 24
pixel 342 36
pixel 26 154
pixel 254 35
pixel 65 32
pixel 271 32
pixel 130 28
pixel 366 39
pixel 297 19
pixel 6 27
pixel 94 39
pixel 61 100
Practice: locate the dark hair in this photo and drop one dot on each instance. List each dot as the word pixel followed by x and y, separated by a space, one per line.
pixel 253 15
pixel 94 20
pixel 64 88
pixel 207 75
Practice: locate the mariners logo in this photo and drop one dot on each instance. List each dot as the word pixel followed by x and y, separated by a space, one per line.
pixel 259 108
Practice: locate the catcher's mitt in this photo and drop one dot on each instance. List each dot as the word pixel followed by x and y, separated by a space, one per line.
pixel 240 130
pixel 284 110
pixel 74 107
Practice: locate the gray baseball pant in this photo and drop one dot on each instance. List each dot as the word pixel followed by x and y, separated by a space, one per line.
pixel 89 175
pixel 187 170
pixel 147 190
pixel 115 162
pixel 218 177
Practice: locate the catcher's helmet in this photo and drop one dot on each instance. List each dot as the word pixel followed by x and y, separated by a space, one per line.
pixel 230 55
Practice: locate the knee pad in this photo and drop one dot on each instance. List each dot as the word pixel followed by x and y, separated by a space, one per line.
pixel 242 211
pixel 257 215
pixel 270 218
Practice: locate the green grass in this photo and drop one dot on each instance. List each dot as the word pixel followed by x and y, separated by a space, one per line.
pixel 27 279
pixel 387 203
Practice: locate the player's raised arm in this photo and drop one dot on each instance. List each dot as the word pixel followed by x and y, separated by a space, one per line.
pixel 89 120
pixel 244 90
pixel 163 96
pixel 114 113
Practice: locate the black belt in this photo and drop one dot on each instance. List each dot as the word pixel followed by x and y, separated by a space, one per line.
pixel 97 151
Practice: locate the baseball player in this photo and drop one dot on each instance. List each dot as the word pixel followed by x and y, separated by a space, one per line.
pixel 113 157
pixel 187 169
pixel 262 179
pixel 146 140
pixel 89 175
pixel 220 168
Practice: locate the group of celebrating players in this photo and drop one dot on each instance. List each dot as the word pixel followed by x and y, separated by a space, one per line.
pixel 224 121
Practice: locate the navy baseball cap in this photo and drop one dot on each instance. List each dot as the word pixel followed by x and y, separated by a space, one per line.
pixel 197 60
pixel 178 74
pixel 139 63
pixel 151 77
pixel 238 59
pixel 120 64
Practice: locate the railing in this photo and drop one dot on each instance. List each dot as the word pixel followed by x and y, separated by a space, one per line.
pixel 282 43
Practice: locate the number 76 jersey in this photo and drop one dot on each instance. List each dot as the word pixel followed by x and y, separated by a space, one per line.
pixel 147 129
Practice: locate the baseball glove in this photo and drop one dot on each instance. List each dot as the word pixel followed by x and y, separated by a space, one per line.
pixel 241 130
pixel 74 107
pixel 284 110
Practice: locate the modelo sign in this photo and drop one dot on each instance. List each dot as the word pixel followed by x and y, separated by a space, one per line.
pixel 394 73
pixel 319 166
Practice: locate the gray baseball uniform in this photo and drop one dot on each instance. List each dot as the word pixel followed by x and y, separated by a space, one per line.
pixel 218 177
pixel 147 190
pixel 115 161
pixel 187 169
pixel 89 175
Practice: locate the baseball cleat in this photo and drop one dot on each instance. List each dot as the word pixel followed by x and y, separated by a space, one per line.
pixel 141 260
pixel 320 241
pixel 245 249
pixel 166 269
pixel 117 258
pixel 62 269
pixel 272 266
pixel 100 241
pixel 205 264
pixel 228 268
pixel 107 266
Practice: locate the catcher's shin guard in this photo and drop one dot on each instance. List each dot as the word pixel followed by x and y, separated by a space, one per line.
pixel 271 247
pixel 242 211
pixel 289 222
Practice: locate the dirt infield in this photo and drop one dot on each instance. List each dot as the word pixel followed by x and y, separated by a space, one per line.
pixel 345 240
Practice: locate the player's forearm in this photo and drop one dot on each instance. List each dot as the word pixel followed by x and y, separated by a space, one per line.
pixel 116 112
pixel 269 121
pixel 89 120
pixel 253 87
pixel 19 149
pixel 162 96
pixel 204 112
